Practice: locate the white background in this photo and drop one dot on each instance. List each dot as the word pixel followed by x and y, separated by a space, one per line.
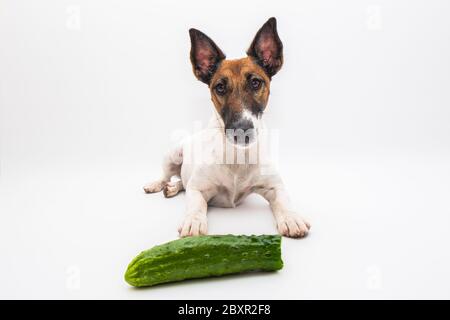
pixel 91 92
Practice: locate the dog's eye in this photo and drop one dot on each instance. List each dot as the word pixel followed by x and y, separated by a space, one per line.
pixel 220 88
pixel 255 83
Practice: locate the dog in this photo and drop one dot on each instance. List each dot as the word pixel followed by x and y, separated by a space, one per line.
pixel 239 91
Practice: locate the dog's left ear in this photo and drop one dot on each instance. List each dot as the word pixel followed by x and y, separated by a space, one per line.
pixel 267 49
pixel 205 55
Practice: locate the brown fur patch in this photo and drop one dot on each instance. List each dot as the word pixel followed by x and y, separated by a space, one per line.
pixel 236 74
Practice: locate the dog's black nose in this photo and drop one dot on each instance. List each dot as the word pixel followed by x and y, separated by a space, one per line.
pixel 241 131
pixel 243 124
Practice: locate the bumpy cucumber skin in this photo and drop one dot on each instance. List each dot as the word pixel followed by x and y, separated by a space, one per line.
pixel 204 256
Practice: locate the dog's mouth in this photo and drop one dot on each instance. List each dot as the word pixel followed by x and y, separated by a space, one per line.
pixel 240 137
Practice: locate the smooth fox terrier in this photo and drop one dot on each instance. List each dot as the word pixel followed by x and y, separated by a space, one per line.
pixel 207 163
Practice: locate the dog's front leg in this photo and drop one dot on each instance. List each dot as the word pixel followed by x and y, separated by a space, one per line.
pixel 289 223
pixel 194 223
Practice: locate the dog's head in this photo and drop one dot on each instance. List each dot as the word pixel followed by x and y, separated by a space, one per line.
pixel 239 88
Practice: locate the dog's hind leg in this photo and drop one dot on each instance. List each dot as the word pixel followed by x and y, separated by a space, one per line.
pixel 172 188
pixel 171 167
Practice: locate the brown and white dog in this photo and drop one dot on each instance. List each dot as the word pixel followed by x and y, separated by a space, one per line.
pixel 207 162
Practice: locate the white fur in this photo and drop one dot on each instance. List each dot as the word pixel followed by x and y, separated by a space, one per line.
pixel 215 172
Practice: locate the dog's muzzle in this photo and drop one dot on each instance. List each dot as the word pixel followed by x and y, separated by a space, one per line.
pixel 241 132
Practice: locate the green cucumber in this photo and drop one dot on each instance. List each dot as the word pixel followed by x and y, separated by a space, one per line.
pixel 204 256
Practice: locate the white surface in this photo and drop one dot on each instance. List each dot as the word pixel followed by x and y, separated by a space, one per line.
pixel 87 109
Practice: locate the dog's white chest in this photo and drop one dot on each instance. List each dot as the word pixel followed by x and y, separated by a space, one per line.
pixel 235 187
pixel 207 165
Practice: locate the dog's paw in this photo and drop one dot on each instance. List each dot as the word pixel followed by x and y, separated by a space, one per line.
pixel 171 189
pixel 292 225
pixel 156 186
pixel 193 225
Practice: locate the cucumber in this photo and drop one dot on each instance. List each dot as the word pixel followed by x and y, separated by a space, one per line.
pixel 204 256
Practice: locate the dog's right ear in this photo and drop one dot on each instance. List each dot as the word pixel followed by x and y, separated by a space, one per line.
pixel 205 55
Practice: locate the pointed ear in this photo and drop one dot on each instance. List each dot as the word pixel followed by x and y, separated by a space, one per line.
pixel 267 49
pixel 205 55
